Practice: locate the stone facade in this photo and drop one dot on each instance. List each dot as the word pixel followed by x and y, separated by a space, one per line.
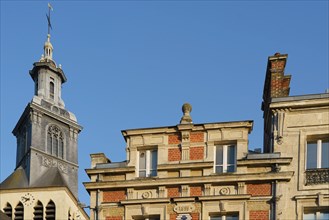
pixel 205 171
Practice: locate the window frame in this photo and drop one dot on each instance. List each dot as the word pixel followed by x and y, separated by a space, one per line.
pixel 319 150
pixel 223 216
pixel 55 136
pixel 225 158
pixel 149 169
pixel 316 213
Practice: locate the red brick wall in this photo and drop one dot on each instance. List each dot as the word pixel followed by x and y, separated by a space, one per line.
pixel 263 189
pixel 174 139
pixel 172 192
pixel 196 153
pixel 174 154
pixel 195 216
pixel 195 191
pixel 114 196
pixel 259 215
pixel 196 137
pixel 114 218
pixel 173 216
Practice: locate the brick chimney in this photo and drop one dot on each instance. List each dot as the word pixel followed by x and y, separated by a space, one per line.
pixel 276 85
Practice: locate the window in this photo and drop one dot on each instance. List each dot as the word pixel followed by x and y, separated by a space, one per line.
pixel 38 211
pixel 225 159
pixel 8 210
pixel 228 216
pixel 316 215
pixel 51 90
pixel 55 142
pixel 51 211
pixel 19 211
pixel 148 160
pixel 317 154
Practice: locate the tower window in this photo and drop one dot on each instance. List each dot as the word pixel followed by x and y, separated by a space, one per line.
pixel 55 142
pixel 51 90
pixel 51 211
pixel 38 211
pixel 8 210
pixel 19 211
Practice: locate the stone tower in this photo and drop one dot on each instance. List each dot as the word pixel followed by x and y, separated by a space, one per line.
pixel 47 133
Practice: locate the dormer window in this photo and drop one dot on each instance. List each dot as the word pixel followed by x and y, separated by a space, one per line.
pixel 51 90
pixel 225 159
pixel 147 161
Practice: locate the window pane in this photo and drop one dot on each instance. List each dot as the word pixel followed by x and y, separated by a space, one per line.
pixel 325 155
pixel 324 215
pixel 230 168
pixel 231 154
pixel 215 218
pixel 311 155
pixel 49 144
pixel 142 160
pixel 232 217
pixel 56 147
pixel 309 216
pixel 219 169
pixel 219 155
pixel 154 162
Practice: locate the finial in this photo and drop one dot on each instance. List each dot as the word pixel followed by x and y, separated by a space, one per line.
pixel 186 118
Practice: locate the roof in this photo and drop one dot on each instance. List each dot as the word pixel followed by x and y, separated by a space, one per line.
pixel 17 179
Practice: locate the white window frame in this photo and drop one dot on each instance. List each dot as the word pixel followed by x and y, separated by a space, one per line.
pixel 318 153
pixel 225 157
pixel 317 214
pixel 148 165
pixel 222 216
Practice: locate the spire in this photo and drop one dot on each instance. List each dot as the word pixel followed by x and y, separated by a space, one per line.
pixel 48 49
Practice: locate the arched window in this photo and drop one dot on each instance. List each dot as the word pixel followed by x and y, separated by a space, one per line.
pixel 51 90
pixel 19 211
pixel 51 211
pixel 8 210
pixel 38 211
pixel 55 142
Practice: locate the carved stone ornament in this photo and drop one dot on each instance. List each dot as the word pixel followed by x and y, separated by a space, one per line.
pixel 47 162
pixel 184 208
pixel 224 191
pixel 146 195
pixel 62 167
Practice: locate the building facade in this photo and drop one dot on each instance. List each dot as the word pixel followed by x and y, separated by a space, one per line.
pixel 44 184
pixel 205 171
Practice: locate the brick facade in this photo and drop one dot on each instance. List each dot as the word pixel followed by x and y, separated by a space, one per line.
pixel 196 137
pixel 114 196
pixel 195 216
pixel 259 215
pixel 195 191
pixel 263 189
pixel 174 139
pixel 196 153
pixel 172 192
pixel 174 154
pixel 173 216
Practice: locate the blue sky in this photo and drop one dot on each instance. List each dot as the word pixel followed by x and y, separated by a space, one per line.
pixel 132 64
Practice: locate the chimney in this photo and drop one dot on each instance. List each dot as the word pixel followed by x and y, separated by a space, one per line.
pixel 276 85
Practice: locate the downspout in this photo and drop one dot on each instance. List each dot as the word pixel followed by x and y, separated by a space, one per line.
pixel 96 207
pixel 274 205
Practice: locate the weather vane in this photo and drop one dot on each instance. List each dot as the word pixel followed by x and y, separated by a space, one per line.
pixel 50 8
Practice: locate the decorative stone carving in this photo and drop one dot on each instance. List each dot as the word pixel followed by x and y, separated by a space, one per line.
pixel 47 162
pixel 147 195
pixel 224 191
pixel 241 188
pixel 222 206
pixel 207 189
pixel 317 176
pixel 186 119
pixel 185 190
pixel 62 167
pixel 130 192
pixel 184 217
pixel 184 208
pixel 162 191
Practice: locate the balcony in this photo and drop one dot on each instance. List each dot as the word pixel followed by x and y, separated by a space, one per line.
pixel 317 176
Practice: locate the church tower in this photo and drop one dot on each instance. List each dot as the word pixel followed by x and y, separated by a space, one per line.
pixel 44 184
pixel 46 132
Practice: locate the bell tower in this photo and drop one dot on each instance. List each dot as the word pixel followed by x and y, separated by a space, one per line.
pixel 47 133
